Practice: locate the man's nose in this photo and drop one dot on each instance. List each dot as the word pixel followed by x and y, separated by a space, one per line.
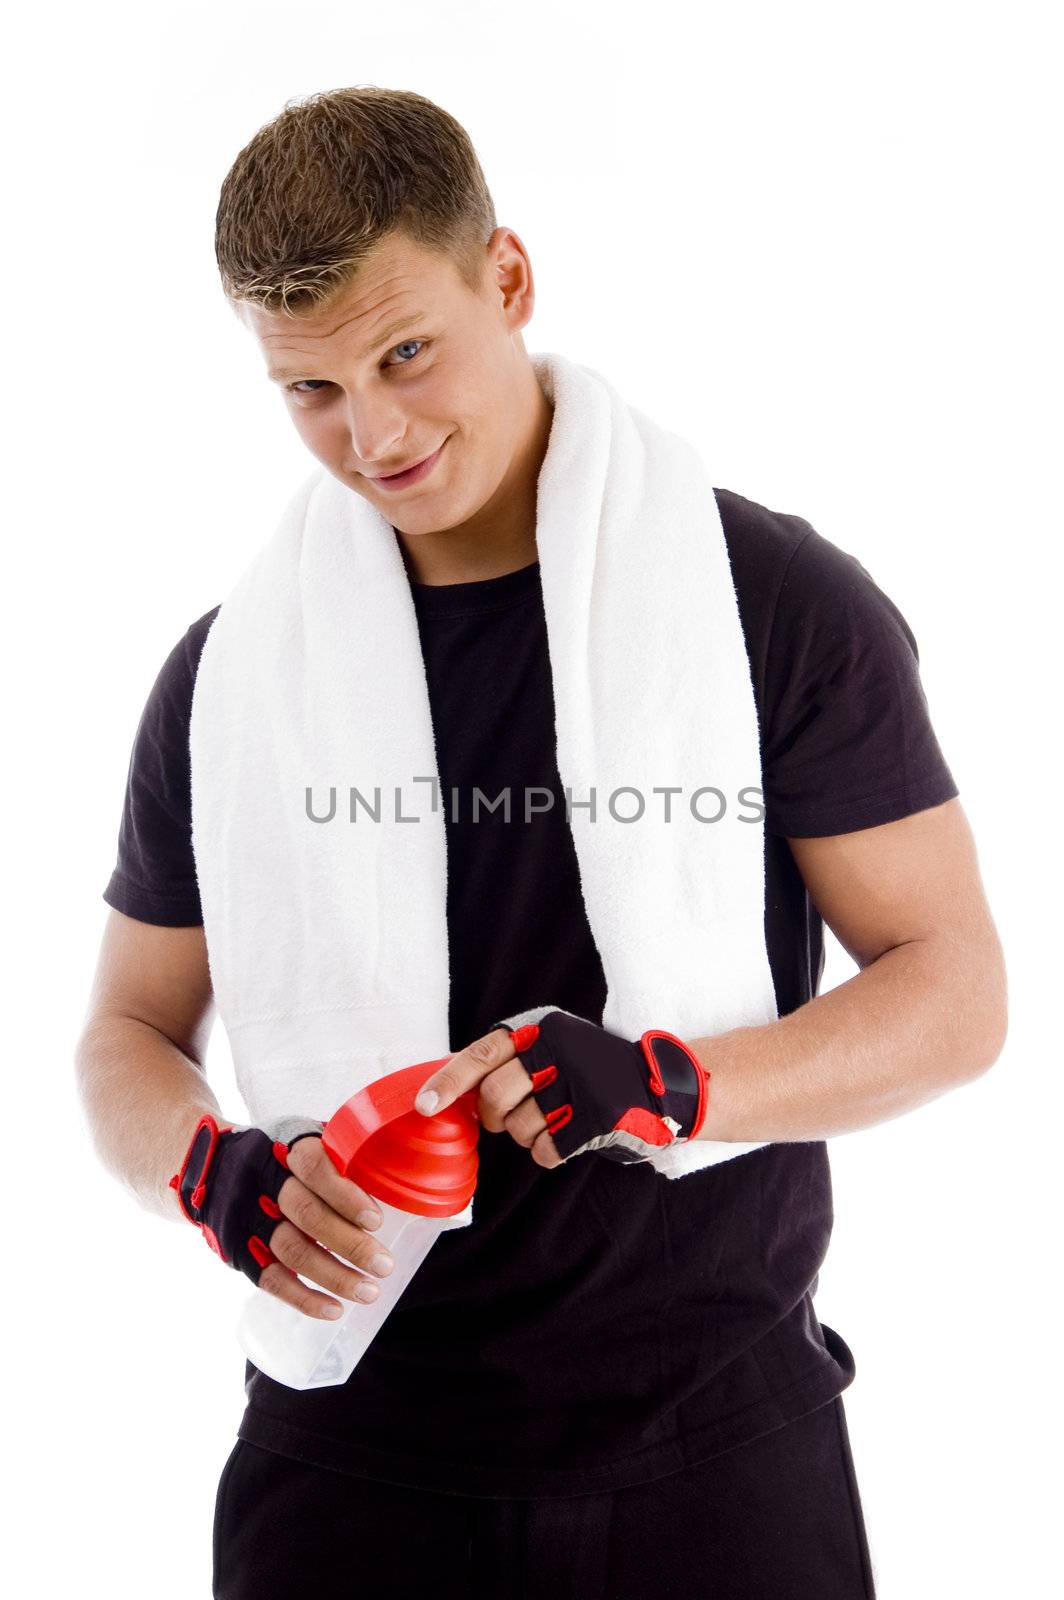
pixel 376 428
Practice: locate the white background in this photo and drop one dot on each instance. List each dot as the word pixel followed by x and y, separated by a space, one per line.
pixel 819 239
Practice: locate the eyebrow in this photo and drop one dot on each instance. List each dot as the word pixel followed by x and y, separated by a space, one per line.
pixel 279 375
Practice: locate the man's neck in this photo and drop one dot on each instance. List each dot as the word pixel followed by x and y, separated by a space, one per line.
pixel 466 561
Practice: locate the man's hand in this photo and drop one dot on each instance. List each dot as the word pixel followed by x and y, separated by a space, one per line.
pixel 266 1206
pixel 562 1086
pixel 318 1204
pixel 505 1103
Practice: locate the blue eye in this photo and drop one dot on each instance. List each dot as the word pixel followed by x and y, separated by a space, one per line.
pixel 297 387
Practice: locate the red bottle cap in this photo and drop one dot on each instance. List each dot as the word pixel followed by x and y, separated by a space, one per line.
pixel 425 1165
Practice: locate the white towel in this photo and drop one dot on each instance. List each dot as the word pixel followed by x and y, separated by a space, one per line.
pixel 328 940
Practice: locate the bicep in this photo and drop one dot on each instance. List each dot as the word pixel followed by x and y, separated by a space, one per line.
pixel 916 878
pixel 155 975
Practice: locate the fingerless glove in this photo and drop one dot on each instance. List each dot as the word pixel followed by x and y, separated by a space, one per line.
pixel 228 1185
pixel 598 1091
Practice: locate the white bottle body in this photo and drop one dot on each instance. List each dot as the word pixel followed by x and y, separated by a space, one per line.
pixel 315 1352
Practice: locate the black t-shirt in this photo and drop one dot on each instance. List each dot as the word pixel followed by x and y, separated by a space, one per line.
pixel 597 1325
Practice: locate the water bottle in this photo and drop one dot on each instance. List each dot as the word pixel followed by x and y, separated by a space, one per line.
pixel 421 1172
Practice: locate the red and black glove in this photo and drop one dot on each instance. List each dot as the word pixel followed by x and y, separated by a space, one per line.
pixel 601 1092
pixel 228 1185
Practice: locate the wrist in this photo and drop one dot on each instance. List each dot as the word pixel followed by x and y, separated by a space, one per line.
pixel 678 1077
pixel 188 1181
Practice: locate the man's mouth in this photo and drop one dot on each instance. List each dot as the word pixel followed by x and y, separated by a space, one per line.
pixel 412 474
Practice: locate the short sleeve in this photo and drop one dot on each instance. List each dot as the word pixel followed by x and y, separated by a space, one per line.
pixel 847 736
pixel 154 877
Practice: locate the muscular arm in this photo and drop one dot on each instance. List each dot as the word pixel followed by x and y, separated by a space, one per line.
pixel 927 1011
pixel 139 1059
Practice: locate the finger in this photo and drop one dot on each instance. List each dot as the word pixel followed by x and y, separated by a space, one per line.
pixel 504 1094
pixel 282 1283
pixel 464 1071
pixel 545 1151
pixel 317 1221
pixel 312 1165
pixel 297 1251
pixel 525 1123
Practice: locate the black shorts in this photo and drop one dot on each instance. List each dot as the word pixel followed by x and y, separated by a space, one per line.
pixel 778 1518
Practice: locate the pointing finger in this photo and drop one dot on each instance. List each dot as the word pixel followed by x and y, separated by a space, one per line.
pixel 464 1071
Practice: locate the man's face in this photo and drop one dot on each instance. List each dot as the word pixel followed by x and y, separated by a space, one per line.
pixel 405 361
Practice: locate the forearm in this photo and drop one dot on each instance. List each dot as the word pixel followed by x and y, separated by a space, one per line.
pixel 143 1097
pixel 907 1028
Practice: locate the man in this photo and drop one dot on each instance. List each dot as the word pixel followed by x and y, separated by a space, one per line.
pixel 616 1379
